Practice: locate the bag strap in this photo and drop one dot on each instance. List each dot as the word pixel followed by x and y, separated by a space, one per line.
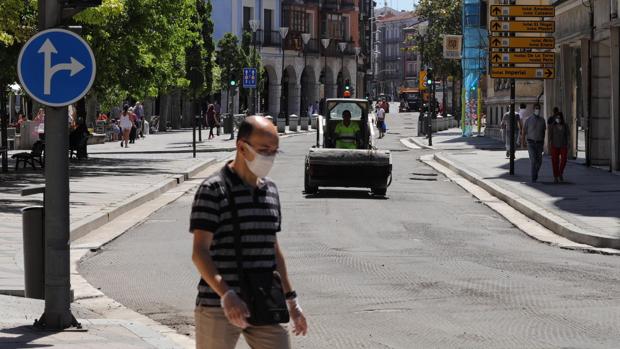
pixel 236 225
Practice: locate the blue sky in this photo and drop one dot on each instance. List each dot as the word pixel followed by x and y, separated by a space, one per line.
pixel 397 4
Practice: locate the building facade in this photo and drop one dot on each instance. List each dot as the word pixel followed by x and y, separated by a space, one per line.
pixel 300 72
pixel 394 67
pixel 587 84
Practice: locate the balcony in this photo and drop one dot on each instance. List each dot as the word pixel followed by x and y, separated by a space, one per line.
pixel 391 58
pixel 268 38
pixel 337 5
pixel 393 40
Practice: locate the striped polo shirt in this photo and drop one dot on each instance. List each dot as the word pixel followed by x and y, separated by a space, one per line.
pixel 259 217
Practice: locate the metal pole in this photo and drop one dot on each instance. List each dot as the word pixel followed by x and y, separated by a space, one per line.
pixel 57 314
pixel 5 126
pixel 513 125
pixel 431 114
pixel 194 137
pixel 200 119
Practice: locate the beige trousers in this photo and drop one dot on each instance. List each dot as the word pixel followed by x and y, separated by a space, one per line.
pixel 214 331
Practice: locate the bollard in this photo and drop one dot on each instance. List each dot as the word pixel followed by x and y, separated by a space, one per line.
pixel 228 124
pixel 303 123
pixel 293 121
pixel 34 251
pixel 281 123
pixel 314 121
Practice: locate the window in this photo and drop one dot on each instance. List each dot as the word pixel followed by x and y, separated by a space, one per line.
pixel 332 26
pixel 267 20
pixel 247 16
pixel 296 19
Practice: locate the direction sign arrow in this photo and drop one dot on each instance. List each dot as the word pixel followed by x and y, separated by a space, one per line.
pixel 48 49
pixel 530 73
pixel 56 67
pixel 522 42
pixel 523 58
pixel 523 26
pixel 523 11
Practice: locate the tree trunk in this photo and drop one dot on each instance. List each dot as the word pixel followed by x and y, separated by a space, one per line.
pixel 444 97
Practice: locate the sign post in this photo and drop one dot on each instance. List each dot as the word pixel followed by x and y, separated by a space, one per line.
pixel 56 68
pixel 507 63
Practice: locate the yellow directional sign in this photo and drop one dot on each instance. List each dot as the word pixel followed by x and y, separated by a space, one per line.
pixel 522 58
pixel 522 42
pixel 522 11
pixel 523 26
pixel 522 73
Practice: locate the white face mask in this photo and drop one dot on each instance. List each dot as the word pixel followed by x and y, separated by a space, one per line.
pixel 261 165
pixel 536 112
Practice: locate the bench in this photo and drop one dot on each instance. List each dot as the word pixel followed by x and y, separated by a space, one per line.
pixel 34 156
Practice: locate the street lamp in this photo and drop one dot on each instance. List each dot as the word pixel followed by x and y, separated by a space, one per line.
pixel 305 37
pixel 325 43
pixel 283 34
pixel 357 51
pixel 342 46
pixel 254 25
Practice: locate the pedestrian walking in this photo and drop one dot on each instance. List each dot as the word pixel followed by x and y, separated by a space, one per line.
pixel 507 129
pixel 134 130
pixel 381 121
pixel 126 125
pixel 534 132
pixel 237 253
pixel 139 111
pixel 559 134
pixel 315 107
pixel 211 120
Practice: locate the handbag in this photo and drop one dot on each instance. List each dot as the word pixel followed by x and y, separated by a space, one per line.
pixel 261 291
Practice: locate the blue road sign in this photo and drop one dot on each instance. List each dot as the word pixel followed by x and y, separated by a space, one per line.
pixel 56 67
pixel 249 77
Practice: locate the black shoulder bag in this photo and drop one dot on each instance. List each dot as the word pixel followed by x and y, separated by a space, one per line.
pixel 261 291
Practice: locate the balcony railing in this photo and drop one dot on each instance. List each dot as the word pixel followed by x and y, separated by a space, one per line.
pixel 391 58
pixel 336 5
pixel 268 38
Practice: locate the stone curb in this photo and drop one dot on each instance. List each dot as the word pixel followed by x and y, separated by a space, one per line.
pixel 84 226
pixel 548 219
pixel 419 144
pixel 183 151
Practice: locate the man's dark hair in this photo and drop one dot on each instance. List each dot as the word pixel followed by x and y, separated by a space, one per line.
pixel 245 130
pixel 346 112
pixel 522 106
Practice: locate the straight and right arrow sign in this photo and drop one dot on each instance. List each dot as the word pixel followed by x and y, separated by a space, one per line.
pixel 522 73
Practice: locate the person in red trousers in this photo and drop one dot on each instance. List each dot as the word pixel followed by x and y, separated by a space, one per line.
pixel 558 144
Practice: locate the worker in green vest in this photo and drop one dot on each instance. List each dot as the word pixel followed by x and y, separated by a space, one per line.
pixel 347 132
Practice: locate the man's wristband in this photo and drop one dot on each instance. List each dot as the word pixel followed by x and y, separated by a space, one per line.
pixel 290 295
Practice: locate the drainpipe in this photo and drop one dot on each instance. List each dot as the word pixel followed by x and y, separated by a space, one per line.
pixel 613 13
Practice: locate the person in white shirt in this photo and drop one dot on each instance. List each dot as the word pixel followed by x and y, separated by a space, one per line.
pixel 381 121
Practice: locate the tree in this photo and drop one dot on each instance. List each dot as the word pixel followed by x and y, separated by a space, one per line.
pixel 230 59
pixel 133 59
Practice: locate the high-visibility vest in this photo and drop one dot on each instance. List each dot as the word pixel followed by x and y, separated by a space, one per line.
pixel 345 135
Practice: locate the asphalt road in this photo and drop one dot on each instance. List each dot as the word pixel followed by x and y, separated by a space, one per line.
pixel 428 267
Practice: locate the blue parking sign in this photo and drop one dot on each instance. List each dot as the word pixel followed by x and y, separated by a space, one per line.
pixel 249 78
pixel 56 67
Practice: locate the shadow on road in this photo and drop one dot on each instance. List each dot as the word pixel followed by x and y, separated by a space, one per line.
pixel 345 194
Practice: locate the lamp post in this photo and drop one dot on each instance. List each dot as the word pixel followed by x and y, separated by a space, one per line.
pixel 305 37
pixel 283 34
pixel 342 46
pixel 254 25
pixel 357 51
pixel 325 43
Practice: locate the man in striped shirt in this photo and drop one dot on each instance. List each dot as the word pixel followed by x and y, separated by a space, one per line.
pixel 220 313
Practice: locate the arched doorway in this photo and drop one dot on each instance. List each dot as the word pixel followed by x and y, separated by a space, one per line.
pixel 328 82
pixel 340 84
pixel 308 87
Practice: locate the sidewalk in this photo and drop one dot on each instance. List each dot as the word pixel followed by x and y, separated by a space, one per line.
pixel 111 181
pixel 584 209
pixel 452 140
pixel 18 315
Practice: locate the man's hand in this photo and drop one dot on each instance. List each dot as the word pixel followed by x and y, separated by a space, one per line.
pixel 235 309
pixel 300 326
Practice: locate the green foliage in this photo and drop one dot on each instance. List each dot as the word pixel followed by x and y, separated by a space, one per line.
pixel 444 17
pixel 17 24
pixel 230 59
pixel 140 46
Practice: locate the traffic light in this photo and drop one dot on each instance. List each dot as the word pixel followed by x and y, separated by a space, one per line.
pixel 347 86
pixel 233 83
pixel 429 76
